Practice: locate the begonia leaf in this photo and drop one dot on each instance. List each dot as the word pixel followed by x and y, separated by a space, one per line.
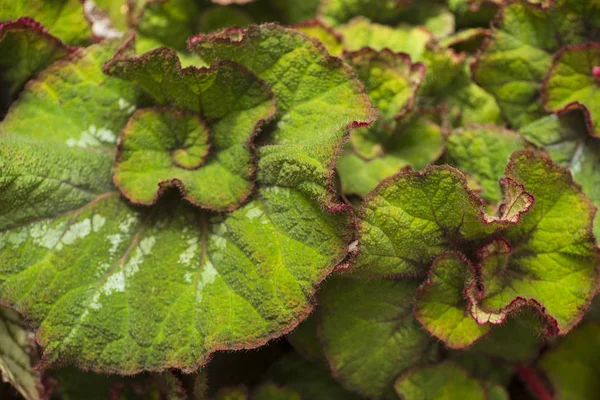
pixel 62 18
pixel 482 151
pixel 441 306
pixel 572 82
pixel 296 11
pixel 442 381
pixel 411 218
pixel 514 62
pixel 116 288
pixel 416 143
pixel 548 253
pixel 25 50
pixel 161 148
pixel 360 32
pixel 568 140
pixel 380 310
pixel 17 356
pixel 292 158
pixel 571 366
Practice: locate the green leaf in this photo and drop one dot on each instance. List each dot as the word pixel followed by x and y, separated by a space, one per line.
pixel 571 83
pixel 442 381
pixel 327 36
pixel 291 157
pixel 305 341
pixel 391 79
pixel 296 11
pixel 380 310
pixel 217 18
pixel 25 50
pixel 416 143
pixel 408 220
pixel 114 288
pixel 80 121
pixel 161 148
pixel 441 306
pixel 63 18
pixel 551 261
pixel 482 151
pixel 567 139
pixel 572 365
pixel 513 64
pixel 17 355
pixel 360 32
pixel 311 381
pixel 335 12
pixel 271 391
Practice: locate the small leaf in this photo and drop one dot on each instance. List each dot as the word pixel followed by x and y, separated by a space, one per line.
pixel 571 83
pixel 17 358
pixel 360 33
pixel 161 148
pixel 572 364
pixel 441 306
pixel 482 151
pixel 62 18
pixel 302 150
pixel 26 49
pixel 380 310
pixel 416 143
pixel 445 380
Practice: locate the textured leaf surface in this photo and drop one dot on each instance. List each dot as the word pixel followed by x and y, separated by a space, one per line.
pixel 441 306
pixel 411 218
pixel 442 381
pixel 553 251
pixel 515 61
pixel 483 152
pixel 291 157
pixel 572 365
pixel 162 148
pixel 115 288
pixel 416 143
pixel 327 36
pixel 381 310
pixel 17 358
pixel 567 139
pixel 25 50
pixel 571 82
pixel 63 18
pixel 54 102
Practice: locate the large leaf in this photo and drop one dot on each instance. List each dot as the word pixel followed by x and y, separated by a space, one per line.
pixel 25 50
pixel 291 157
pixel 573 81
pixel 336 12
pixel 17 356
pixel 63 18
pixel 513 64
pixel 442 381
pixel 115 288
pixel 380 310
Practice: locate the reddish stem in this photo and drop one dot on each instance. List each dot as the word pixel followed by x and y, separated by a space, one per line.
pixel 532 380
pixel 596 73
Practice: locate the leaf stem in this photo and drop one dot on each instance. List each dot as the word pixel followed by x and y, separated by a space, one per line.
pixel 534 383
